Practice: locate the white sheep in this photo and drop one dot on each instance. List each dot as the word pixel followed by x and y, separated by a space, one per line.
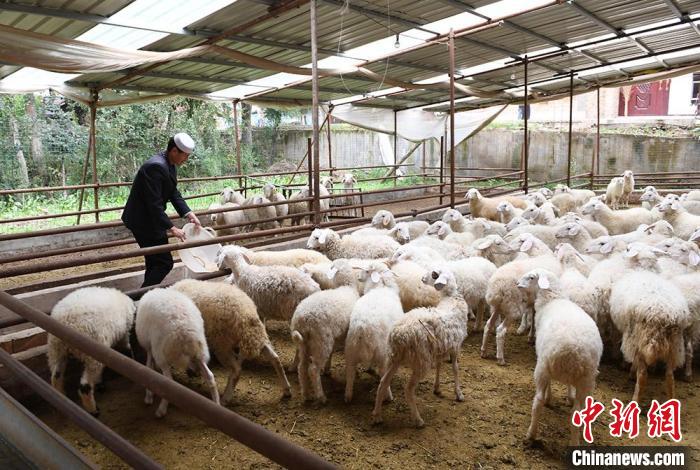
pixel 619 221
pixel 544 214
pixel 104 315
pixel 230 217
pixel 421 255
pixel 423 338
pixel 548 193
pixel 472 276
pixel 456 220
pixel 581 196
pixel 319 327
pixel 447 250
pixel 349 181
pixel 517 222
pixel 443 231
pixel 530 245
pixel 493 248
pixel 574 282
pixel 575 234
pixel 564 202
pixel 294 257
pixel 404 232
pixel 169 327
pixel 652 314
pixel 412 291
pixel 568 347
pixel 329 243
pixel 614 192
pixel 229 195
pixel 383 219
pixel 481 206
pixel 506 301
pixel 275 290
pixel 270 192
pixel 296 209
pixel 537 198
pixel 327 182
pixel 627 187
pixel 254 215
pixel 546 233
pixel 650 198
pixel 233 329
pixel 683 222
pixel 372 319
pixel 506 212
pixel 594 228
pixel 688 284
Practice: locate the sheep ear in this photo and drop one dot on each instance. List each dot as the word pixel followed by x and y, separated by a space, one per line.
pixel 631 252
pixel 606 248
pixel 543 282
pixel 694 258
pixel 527 244
pixel 486 225
pixel 442 232
pixel 375 277
pixel 322 238
pixel 332 272
pixel 485 244
pixel 575 229
pixel 246 258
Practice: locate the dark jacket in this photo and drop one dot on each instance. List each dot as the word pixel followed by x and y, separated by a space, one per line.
pixel 155 184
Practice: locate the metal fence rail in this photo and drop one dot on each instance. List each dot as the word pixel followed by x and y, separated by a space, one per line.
pixel 250 434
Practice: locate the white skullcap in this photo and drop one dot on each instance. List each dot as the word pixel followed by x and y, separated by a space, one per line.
pixel 184 142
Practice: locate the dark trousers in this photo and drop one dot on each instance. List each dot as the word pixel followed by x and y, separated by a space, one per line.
pixel 157 266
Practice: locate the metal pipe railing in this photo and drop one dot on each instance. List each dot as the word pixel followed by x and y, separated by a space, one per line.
pixel 244 431
pixel 96 429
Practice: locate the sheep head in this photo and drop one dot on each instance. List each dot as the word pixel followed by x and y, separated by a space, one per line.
pixel 439 229
pixel 319 238
pixel 569 230
pixel 401 233
pixel 516 222
pixel 382 219
pixel 537 279
pixel 451 215
pixel 472 194
pixel 440 277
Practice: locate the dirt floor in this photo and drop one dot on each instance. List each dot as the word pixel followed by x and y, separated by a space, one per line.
pixel 487 430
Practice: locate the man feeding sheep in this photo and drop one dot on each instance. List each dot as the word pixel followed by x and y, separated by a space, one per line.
pixel 144 214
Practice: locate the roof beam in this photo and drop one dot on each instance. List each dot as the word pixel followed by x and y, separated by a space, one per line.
pixel 681 14
pixel 596 19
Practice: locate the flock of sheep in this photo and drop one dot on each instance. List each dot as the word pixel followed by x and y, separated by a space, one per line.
pixel 579 277
pixel 238 219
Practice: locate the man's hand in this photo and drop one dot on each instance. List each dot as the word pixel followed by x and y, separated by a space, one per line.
pixel 193 219
pixel 177 233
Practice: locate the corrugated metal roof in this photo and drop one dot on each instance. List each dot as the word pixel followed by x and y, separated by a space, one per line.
pixel 285 38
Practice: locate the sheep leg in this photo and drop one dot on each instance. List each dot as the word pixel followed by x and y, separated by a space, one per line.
pixel 350 370
pixel 382 371
pixel 149 363
pixel 641 378
pixel 411 399
pixel 541 385
pixel 459 396
pixel 233 377
pixel 295 362
pixel 274 359
pixel 548 395
pixel 670 382
pixel 327 367
pixel 524 323
pixel 91 375
pixel 303 375
pixel 488 329
pixel 436 385
pixel 531 334
pixel 688 374
pixel 163 405
pixel 58 372
pixel 571 395
pixel 382 392
pixel 501 332
pixel 480 309
pixel 315 375
pixel 208 377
